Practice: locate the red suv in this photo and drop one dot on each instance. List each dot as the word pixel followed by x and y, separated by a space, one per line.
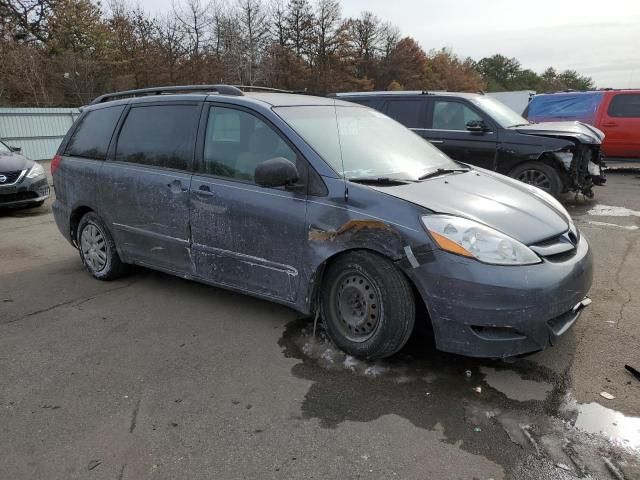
pixel 615 112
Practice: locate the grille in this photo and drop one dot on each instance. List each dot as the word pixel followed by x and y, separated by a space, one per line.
pixel 11 177
pixel 557 249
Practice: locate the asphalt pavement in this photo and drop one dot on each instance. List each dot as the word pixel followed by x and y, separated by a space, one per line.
pixel 156 377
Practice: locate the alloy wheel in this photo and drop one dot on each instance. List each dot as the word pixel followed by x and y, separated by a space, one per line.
pixel 536 178
pixel 94 247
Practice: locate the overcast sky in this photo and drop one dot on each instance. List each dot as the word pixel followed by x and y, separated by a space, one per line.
pixel 598 38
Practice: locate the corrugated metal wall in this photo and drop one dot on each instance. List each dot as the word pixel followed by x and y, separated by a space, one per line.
pixel 38 131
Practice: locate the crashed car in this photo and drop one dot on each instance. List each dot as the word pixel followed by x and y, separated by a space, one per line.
pixel 23 183
pixel 325 206
pixel 474 128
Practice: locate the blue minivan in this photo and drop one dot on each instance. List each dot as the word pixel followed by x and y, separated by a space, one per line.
pixel 325 206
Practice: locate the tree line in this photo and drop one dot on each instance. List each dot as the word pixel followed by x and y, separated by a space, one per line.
pixel 66 52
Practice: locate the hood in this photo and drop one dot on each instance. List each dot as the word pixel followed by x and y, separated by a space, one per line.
pixel 12 162
pixel 578 130
pixel 502 203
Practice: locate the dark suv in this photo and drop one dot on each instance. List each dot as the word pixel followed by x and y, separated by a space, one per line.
pixel 325 206
pixel 477 129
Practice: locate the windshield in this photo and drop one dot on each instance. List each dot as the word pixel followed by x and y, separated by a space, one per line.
pixel 361 143
pixel 4 148
pixel 500 112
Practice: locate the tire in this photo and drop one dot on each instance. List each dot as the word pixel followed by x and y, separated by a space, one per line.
pixel 368 305
pixel 97 249
pixel 539 174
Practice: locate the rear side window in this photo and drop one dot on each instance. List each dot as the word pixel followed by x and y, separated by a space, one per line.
pixel 625 105
pixel 408 113
pixel 91 138
pixel 159 136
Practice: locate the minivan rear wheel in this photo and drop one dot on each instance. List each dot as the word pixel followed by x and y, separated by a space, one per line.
pixel 368 305
pixel 540 175
pixel 97 249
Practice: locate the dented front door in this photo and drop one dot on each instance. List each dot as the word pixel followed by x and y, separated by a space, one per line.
pixel 243 235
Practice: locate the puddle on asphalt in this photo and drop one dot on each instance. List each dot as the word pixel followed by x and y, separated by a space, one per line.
pixel 595 418
pixel 514 386
pixel 514 414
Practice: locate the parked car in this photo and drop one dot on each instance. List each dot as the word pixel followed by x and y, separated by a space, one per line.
pixel 615 112
pixel 324 206
pixel 23 183
pixel 479 130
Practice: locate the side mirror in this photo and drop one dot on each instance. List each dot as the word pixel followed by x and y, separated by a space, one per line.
pixel 276 172
pixel 15 149
pixel 476 126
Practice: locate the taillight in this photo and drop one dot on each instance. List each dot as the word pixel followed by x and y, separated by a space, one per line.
pixel 55 163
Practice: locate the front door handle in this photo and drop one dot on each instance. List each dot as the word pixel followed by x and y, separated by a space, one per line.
pixel 437 142
pixel 610 124
pixel 205 191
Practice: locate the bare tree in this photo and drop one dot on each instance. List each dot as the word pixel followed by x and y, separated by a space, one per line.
pixel 365 33
pixel 170 38
pixel 196 21
pixel 30 18
pixel 299 22
pixel 255 29
pixel 277 19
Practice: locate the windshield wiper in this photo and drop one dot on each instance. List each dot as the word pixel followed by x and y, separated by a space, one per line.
pixel 379 180
pixel 442 171
pixel 520 125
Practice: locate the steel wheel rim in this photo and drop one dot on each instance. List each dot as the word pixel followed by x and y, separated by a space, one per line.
pixel 94 247
pixel 357 306
pixel 536 178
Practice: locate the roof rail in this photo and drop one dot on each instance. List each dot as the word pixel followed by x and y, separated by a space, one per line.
pixel 262 89
pixel 141 92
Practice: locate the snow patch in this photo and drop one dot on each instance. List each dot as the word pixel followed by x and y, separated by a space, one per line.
pixel 374 371
pixel 613 225
pixel 611 211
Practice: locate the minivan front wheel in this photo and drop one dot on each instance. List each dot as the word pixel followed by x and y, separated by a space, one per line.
pixel 97 249
pixel 368 305
pixel 540 175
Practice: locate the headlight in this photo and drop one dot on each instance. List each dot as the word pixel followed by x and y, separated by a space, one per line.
pixel 471 239
pixel 35 171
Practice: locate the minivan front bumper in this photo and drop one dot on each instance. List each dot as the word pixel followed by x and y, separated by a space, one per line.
pixel 494 311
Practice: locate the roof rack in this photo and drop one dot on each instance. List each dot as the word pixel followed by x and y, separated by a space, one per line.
pixel 142 92
pixel 262 89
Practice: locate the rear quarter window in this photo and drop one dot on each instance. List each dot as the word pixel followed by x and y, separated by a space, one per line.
pixel 409 113
pixel 374 103
pixel 625 105
pixel 159 136
pixel 92 136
